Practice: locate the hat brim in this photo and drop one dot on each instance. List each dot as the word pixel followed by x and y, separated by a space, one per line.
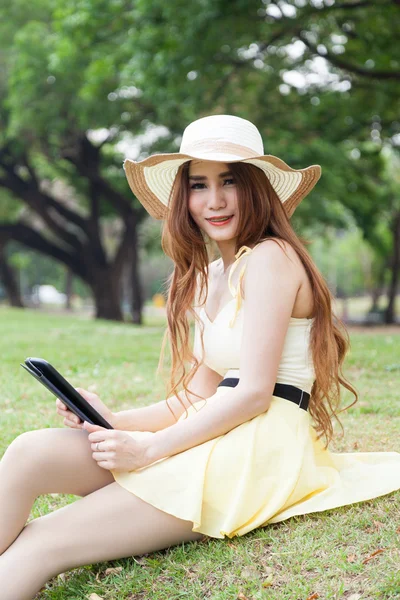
pixel 151 179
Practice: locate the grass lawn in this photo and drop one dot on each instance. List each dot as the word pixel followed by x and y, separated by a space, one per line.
pixel 322 555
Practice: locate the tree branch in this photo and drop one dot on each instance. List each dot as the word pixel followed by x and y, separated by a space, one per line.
pixel 342 64
pixel 94 224
pixel 86 160
pixel 346 5
pixel 126 243
pixel 29 237
pixel 38 201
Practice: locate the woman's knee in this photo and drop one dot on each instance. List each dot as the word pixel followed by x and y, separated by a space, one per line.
pixel 33 450
pixel 57 460
pixel 31 444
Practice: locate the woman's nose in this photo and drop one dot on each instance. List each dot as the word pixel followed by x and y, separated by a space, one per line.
pixel 216 197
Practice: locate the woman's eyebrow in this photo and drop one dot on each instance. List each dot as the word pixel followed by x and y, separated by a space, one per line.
pixel 201 177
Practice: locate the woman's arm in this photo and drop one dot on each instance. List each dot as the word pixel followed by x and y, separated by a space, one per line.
pixel 271 285
pixel 154 417
pixel 158 416
pixel 218 416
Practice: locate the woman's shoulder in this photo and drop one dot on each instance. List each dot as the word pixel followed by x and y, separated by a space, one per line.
pixel 272 243
pixel 269 249
pixel 277 248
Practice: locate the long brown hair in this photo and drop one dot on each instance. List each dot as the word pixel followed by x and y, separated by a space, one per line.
pixel 261 216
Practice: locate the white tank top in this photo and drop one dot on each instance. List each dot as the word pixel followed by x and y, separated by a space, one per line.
pixel 222 340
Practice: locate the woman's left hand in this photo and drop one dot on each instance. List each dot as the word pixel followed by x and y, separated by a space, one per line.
pixel 118 451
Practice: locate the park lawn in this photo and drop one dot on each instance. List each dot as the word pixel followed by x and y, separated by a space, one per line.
pixel 322 555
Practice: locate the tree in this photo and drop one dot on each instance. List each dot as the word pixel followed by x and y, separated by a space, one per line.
pixel 306 73
pixel 46 138
pixel 8 275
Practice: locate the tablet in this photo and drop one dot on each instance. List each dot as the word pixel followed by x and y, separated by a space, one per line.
pixel 48 376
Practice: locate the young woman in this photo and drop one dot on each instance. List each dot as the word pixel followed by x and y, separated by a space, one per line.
pixel 240 445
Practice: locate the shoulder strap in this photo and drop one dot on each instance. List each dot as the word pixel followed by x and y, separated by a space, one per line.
pixel 236 293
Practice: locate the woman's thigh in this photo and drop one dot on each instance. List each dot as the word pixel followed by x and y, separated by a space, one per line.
pixel 56 460
pixel 108 524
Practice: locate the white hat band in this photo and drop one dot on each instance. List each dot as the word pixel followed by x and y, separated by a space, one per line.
pixel 217 146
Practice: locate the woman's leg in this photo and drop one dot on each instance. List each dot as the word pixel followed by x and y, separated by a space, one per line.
pixel 44 461
pixel 108 524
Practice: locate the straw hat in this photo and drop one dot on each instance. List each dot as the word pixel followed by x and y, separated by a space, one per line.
pixel 223 138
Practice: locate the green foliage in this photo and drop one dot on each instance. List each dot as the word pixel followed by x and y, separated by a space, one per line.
pixel 346 261
pixel 10 207
pixel 320 80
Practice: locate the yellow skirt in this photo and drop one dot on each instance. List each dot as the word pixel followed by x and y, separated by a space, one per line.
pixel 263 471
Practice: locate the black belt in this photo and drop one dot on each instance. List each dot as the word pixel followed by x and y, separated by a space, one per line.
pixel 283 390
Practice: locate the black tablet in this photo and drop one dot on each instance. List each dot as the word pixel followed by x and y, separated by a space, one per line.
pixel 55 383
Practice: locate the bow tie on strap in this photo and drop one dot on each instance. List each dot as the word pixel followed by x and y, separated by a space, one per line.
pixel 236 293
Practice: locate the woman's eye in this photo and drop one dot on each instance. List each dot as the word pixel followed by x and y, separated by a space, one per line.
pixel 200 186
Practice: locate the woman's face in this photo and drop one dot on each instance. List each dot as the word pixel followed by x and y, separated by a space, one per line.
pixel 212 193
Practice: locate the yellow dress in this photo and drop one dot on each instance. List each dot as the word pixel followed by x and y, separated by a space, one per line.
pixel 269 468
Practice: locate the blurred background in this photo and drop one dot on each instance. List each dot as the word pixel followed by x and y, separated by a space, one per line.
pixel 84 84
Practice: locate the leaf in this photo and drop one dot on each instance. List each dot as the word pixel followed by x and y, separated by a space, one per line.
pixel 268 581
pixel 351 558
pixel 371 556
pixel 112 570
pixel 108 571
pixel 313 596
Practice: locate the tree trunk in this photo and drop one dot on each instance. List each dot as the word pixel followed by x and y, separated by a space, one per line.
pixel 390 312
pixel 105 288
pixel 375 295
pixel 76 240
pixel 10 281
pixel 345 309
pixel 137 300
pixel 377 291
pixel 69 278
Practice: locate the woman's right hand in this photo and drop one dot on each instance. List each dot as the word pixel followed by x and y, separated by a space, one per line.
pixel 72 420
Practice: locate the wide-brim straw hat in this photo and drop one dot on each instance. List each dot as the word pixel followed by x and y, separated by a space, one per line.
pixel 223 138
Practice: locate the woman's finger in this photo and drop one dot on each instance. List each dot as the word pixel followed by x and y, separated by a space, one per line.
pixel 73 418
pixel 64 413
pixel 68 414
pixel 72 424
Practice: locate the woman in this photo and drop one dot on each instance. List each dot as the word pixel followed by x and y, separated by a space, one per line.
pixel 235 449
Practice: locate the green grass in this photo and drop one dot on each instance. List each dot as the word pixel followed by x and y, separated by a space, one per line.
pixel 321 553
